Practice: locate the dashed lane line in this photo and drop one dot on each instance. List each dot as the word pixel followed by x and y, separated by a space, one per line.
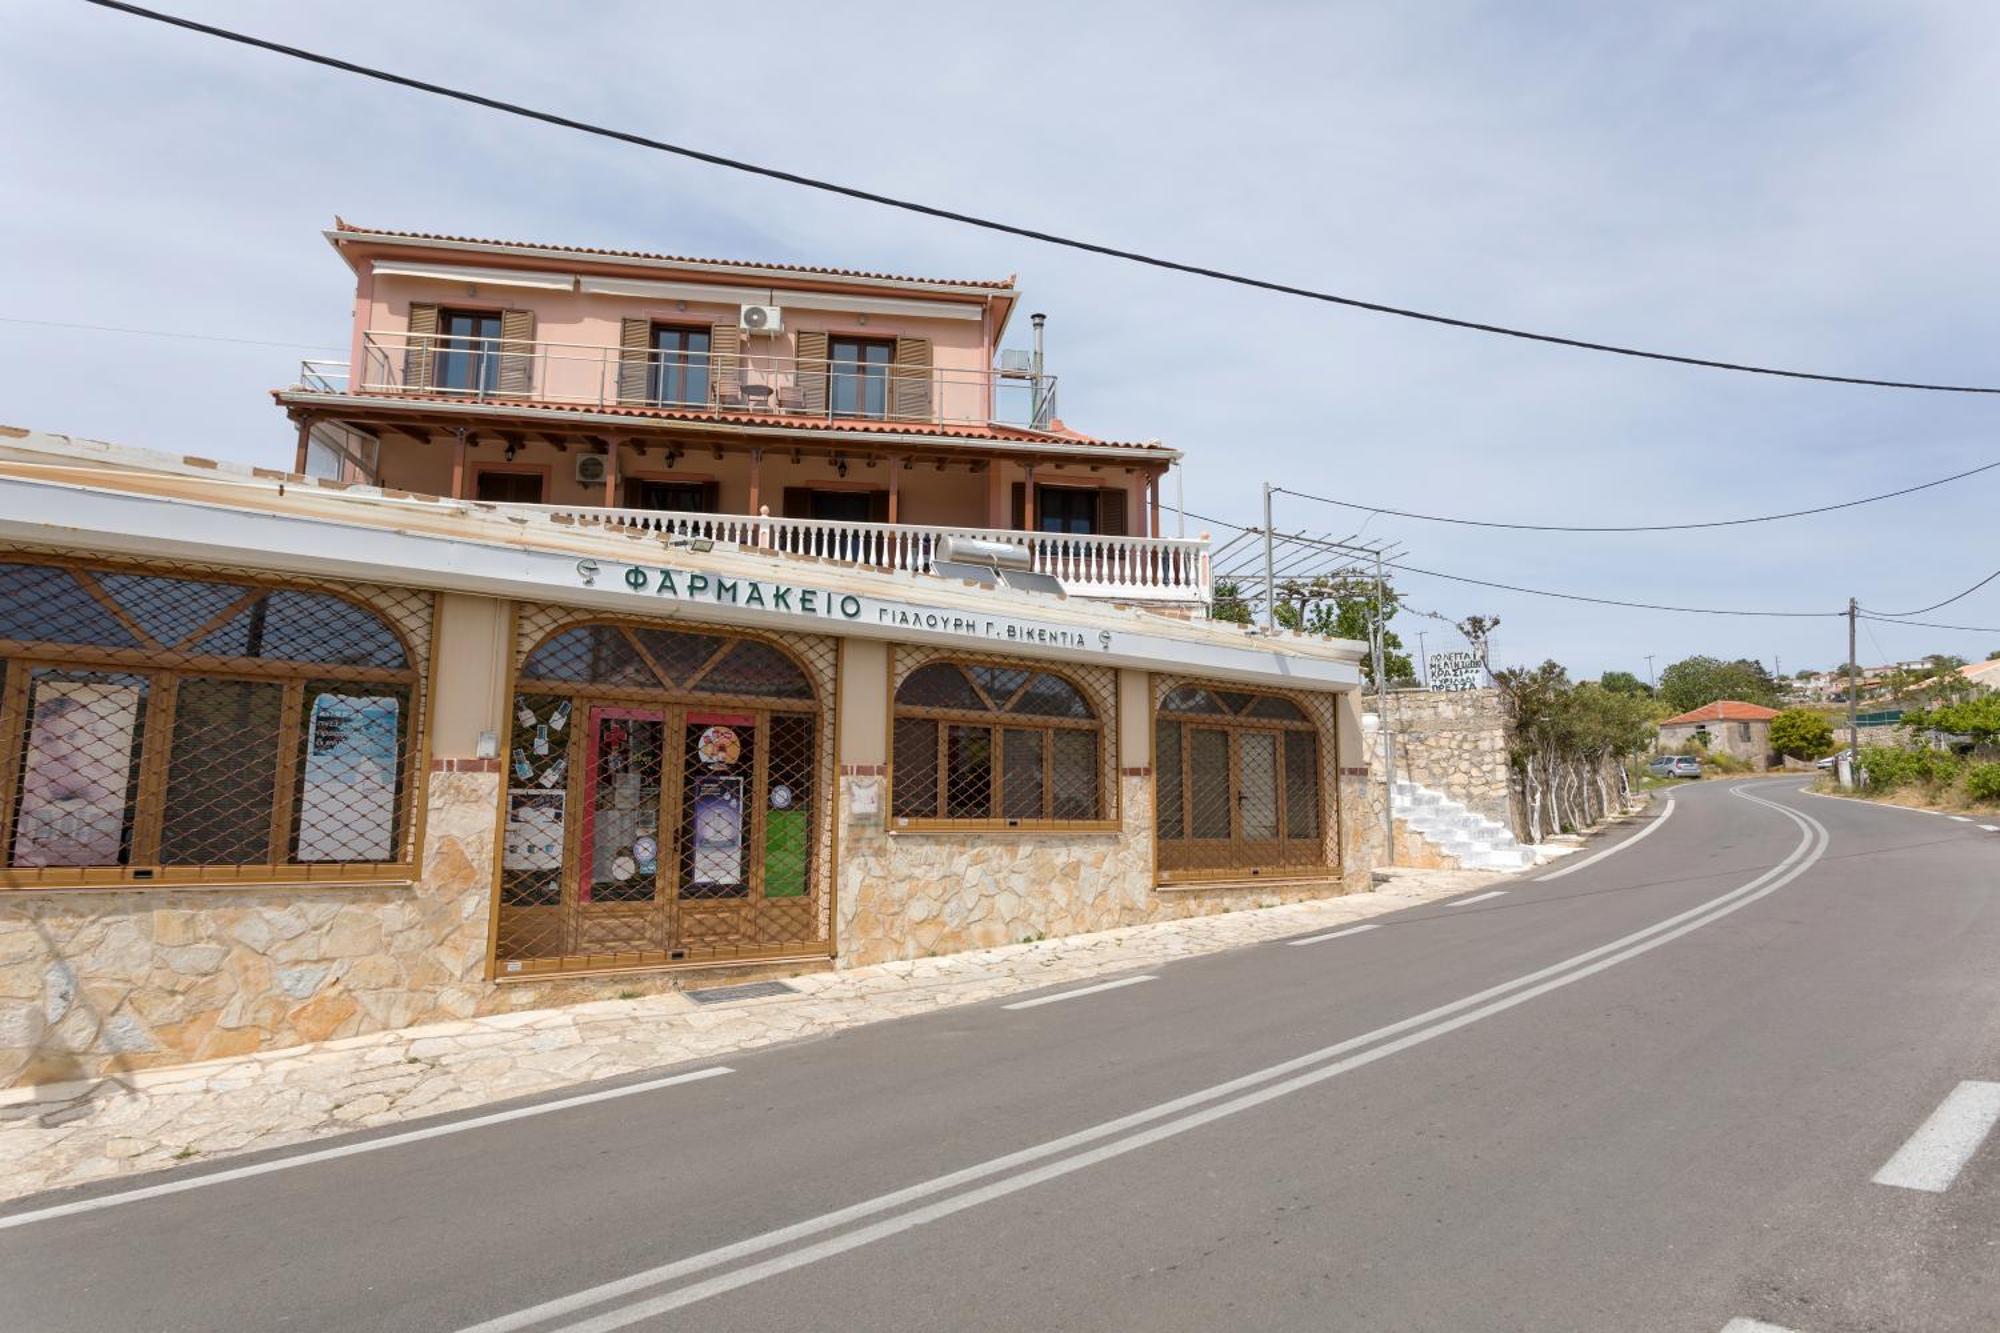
pixel 1478 898
pixel 1334 935
pixel 351 1149
pixel 1933 1156
pixel 1078 992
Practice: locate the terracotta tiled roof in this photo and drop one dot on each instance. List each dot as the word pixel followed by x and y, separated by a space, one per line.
pixel 841 426
pixel 1725 710
pixel 1000 285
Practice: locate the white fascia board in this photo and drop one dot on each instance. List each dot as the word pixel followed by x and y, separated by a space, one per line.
pixel 646 289
pixel 769 275
pixel 145 525
pixel 484 277
pixel 1053 447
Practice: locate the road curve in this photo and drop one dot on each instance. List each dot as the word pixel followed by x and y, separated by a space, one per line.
pixel 1646 1093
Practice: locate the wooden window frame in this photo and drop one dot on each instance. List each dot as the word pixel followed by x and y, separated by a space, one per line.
pixel 834 342
pixel 542 470
pixel 996 721
pixel 1234 861
pixel 164 666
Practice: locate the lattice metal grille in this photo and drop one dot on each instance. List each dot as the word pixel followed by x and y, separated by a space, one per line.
pixel 994 742
pixel 670 796
pixel 168 722
pixel 1243 781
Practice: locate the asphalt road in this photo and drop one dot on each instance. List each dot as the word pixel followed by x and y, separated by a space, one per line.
pixel 1648 1093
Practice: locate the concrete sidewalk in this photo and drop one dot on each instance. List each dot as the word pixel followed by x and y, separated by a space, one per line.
pixel 65 1134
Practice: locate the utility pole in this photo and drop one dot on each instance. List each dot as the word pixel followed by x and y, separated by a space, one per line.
pixel 1651 679
pixel 1853 707
pixel 1382 714
pixel 1423 659
pixel 1270 581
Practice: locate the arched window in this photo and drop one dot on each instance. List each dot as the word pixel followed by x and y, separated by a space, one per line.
pixel 1237 784
pixel 162 728
pixel 1005 744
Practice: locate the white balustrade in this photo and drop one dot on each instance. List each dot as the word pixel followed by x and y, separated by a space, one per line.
pixel 1126 569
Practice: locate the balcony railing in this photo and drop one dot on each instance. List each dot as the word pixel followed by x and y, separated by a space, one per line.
pixel 748 381
pixel 1123 569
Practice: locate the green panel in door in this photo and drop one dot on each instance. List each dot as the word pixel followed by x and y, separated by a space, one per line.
pixel 785 853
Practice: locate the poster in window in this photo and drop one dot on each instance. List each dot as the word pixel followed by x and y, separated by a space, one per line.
pixel 534 835
pixel 77 774
pixel 718 831
pixel 347 793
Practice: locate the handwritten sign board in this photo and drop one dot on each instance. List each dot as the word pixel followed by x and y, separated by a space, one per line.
pixel 1454 671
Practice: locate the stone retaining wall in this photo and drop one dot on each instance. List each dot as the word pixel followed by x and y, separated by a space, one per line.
pixel 1455 743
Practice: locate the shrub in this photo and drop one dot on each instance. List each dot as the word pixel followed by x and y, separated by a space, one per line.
pixel 1982 782
pixel 1725 763
pixel 1888 768
pixel 1801 733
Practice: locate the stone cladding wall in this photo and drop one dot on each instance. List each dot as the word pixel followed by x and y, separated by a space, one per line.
pixel 913 895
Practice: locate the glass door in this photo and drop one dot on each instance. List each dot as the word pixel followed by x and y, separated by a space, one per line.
pixel 1257 797
pixel 618 852
pixel 718 829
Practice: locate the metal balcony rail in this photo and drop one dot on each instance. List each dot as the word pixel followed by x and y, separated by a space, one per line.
pixel 1124 569
pixel 746 381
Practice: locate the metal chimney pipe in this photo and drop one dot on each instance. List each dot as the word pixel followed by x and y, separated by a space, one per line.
pixel 1038 319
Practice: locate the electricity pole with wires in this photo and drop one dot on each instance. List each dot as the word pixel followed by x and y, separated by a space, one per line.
pixel 1382 715
pixel 1853 696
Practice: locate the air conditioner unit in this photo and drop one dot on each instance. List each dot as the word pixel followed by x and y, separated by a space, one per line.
pixel 592 469
pixel 762 319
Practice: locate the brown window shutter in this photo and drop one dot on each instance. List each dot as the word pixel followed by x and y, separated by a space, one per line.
pixel 517 353
pixel 812 371
pixel 420 348
pixel 910 380
pixel 878 506
pixel 725 346
pixel 1020 506
pixel 711 497
pixel 1112 508
pixel 635 359
pixel 798 502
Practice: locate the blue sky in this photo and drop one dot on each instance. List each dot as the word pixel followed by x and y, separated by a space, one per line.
pixel 1800 185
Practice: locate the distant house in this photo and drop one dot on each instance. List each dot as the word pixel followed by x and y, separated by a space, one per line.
pixel 1727 726
pixel 1986 675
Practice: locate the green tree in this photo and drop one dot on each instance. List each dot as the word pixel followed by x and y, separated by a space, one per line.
pixel 1802 733
pixel 1625 683
pixel 1229 604
pixel 1343 607
pixel 1694 681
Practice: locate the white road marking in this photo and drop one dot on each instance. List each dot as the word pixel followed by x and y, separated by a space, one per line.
pixel 1959 819
pixel 1742 1325
pixel 1991 828
pixel 1943 1144
pixel 1478 898
pixel 1080 990
pixel 1351 930
pixel 352 1149
pixel 1595 857
pixel 1416 1029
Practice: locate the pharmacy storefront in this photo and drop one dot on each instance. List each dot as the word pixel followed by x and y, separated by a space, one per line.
pixel 280 764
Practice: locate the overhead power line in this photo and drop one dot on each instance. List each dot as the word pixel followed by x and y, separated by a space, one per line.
pixel 1532 592
pixel 1634 527
pixel 1008 228
pixel 168 333
pixel 1929 624
pixel 1925 610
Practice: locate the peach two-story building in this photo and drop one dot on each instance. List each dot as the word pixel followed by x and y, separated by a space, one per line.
pixel 854 415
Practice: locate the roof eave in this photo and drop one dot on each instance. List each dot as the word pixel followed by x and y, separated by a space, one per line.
pixel 339 237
